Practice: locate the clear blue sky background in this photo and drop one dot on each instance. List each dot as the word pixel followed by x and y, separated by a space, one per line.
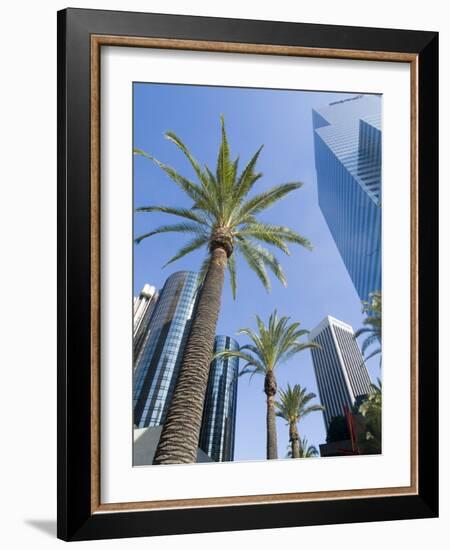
pixel 318 283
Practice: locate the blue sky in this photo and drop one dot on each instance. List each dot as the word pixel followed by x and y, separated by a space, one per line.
pixel 318 283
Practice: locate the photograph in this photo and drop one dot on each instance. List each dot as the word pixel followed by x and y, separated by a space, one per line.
pixel 256 304
pixel 247 274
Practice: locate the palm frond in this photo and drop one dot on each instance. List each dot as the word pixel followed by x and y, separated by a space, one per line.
pixel 252 371
pixel 174 228
pixel 363 330
pixel 255 262
pixel 373 354
pixel 271 262
pixel 224 170
pixel 192 245
pixel 372 324
pixel 251 361
pixel 211 176
pixel 171 136
pixel 194 191
pixel 307 450
pixel 368 342
pixel 232 272
pixel 262 232
pixel 248 177
pixel 312 408
pixel 180 212
pixel 234 169
pixel 203 271
pixel 301 347
pixel 265 199
pixel 256 350
pixel 282 233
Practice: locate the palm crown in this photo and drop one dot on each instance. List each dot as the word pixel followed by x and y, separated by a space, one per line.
pixel 305 449
pixel 293 404
pixel 271 345
pixel 372 324
pixel 223 214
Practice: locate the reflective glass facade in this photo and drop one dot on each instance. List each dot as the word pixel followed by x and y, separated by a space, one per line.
pixel 339 367
pixel 219 414
pixel 158 362
pixel 347 145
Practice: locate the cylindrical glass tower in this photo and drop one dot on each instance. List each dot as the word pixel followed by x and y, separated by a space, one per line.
pixel 219 413
pixel 158 363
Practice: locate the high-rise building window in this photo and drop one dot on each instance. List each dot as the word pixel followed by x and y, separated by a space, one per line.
pixel 219 413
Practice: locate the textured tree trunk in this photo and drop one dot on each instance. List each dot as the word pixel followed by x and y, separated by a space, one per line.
pixel 294 439
pixel 270 389
pixel 180 434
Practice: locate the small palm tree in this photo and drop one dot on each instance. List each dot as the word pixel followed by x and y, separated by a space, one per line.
pixel 271 346
pixel 306 450
pixel 372 324
pixel 292 407
pixel 223 220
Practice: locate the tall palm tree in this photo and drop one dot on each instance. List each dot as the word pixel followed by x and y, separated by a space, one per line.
pixel 292 407
pixel 222 219
pixel 271 346
pixel 372 325
pixel 306 450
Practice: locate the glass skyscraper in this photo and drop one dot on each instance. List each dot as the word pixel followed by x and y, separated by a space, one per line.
pixel 219 414
pixel 347 144
pixel 143 307
pixel 159 360
pixel 339 366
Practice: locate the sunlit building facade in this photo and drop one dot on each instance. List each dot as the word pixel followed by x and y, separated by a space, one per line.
pixel 339 366
pixel 143 307
pixel 347 144
pixel 159 360
pixel 217 434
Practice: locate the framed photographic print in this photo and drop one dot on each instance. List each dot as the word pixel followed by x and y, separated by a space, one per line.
pixel 248 295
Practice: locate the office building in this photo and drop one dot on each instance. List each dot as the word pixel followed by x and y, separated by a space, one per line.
pixel 347 146
pixel 339 366
pixel 159 360
pixel 143 307
pixel 219 414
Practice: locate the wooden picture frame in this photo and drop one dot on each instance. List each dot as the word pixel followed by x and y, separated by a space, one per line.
pixel 81 35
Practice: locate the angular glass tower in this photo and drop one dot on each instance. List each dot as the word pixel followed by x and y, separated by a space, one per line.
pixel 339 366
pixel 143 307
pixel 158 362
pixel 347 145
pixel 219 413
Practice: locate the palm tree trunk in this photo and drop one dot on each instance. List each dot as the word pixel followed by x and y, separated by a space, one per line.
pixel 295 440
pixel 180 434
pixel 270 389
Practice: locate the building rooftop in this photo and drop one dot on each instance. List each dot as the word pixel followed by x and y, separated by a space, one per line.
pixel 326 322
